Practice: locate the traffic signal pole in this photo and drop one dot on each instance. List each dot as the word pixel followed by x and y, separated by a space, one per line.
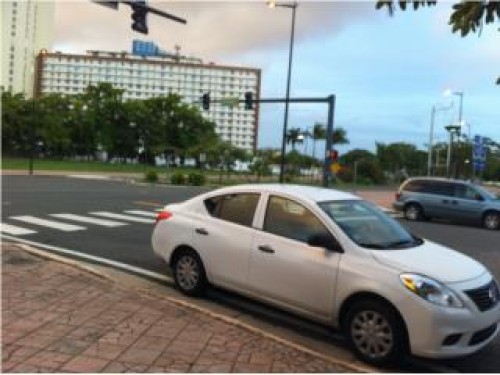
pixel 330 100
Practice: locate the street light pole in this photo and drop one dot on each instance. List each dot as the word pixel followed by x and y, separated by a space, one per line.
pixel 293 7
pixel 431 136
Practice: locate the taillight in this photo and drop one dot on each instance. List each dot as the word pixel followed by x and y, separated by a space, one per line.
pixel 398 196
pixel 163 215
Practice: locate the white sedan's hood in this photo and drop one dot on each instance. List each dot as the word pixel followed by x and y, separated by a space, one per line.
pixel 433 260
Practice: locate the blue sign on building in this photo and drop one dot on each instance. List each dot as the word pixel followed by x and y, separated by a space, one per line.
pixel 141 48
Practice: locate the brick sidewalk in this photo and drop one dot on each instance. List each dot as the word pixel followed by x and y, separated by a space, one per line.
pixel 58 318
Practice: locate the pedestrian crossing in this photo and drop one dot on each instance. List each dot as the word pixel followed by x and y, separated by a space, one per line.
pixel 69 222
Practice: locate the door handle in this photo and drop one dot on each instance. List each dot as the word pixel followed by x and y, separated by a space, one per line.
pixel 201 231
pixel 266 249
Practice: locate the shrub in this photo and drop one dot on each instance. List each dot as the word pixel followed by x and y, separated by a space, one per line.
pixel 196 179
pixel 151 176
pixel 177 179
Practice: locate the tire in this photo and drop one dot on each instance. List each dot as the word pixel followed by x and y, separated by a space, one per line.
pixel 376 332
pixel 413 212
pixel 491 220
pixel 189 273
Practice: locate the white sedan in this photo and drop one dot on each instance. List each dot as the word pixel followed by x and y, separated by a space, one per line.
pixel 334 258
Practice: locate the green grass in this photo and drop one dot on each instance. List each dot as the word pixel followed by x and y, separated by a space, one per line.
pixel 163 173
pixel 76 166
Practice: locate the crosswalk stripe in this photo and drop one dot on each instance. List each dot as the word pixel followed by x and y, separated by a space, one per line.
pixel 15 231
pixel 112 215
pixel 90 220
pixel 141 213
pixel 48 223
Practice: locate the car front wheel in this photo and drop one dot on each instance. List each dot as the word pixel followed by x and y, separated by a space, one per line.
pixel 189 273
pixel 376 332
pixel 491 220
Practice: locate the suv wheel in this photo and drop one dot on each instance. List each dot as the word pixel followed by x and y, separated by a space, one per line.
pixel 375 332
pixel 413 212
pixel 491 220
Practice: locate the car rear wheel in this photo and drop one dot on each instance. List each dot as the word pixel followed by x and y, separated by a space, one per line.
pixel 189 273
pixel 375 332
pixel 491 220
pixel 413 212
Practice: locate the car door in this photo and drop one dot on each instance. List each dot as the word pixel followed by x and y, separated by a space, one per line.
pixel 439 195
pixel 284 269
pixel 226 237
pixel 467 204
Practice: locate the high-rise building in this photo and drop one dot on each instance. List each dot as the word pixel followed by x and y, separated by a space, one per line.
pixel 27 28
pixel 146 77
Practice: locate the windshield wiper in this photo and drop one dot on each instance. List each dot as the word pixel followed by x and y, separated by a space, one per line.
pixel 415 241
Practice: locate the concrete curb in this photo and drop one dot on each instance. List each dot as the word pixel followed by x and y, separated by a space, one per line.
pixel 355 367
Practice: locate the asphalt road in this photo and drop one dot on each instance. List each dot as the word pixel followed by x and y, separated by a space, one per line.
pixel 41 197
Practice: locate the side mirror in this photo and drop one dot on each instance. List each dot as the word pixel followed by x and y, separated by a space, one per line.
pixel 325 240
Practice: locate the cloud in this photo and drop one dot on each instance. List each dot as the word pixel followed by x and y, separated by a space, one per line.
pixel 213 29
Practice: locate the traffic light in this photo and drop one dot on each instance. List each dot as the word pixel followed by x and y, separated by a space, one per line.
pixel 205 100
pixel 139 15
pixel 248 100
pixel 334 155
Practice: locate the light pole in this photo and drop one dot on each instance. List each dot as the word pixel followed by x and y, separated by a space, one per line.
pixel 451 129
pixel 293 7
pixel 460 94
pixel 435 109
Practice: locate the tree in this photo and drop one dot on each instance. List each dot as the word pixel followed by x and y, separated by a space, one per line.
pixel 294 136
pixel 17 124
pixel 339 136
pixel 401 158
pixel 467 16
pixel 319 132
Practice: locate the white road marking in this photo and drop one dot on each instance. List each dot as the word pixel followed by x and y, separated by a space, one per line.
pixel 90 220
pixel 48 223
pixel 15 231
pixel 141 213
pixel 76 254
pixel 112 215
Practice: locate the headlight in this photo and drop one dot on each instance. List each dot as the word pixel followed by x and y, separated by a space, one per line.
pixel 431 290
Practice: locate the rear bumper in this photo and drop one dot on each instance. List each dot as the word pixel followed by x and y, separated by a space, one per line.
pixel 398 206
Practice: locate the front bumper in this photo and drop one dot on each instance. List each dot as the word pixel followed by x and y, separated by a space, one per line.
pixel 437 332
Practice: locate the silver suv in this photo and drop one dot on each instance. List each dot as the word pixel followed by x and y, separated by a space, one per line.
pixel 427 197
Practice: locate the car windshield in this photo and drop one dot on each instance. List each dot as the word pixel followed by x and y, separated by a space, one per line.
pixel 368 226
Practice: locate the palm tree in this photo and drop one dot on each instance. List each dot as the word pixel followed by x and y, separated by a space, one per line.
pixel 294 136
pixel 319 132
pixel 339 136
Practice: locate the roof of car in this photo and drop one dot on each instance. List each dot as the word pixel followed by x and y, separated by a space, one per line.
pixel 309 192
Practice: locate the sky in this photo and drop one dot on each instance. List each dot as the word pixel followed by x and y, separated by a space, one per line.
pixel 387 72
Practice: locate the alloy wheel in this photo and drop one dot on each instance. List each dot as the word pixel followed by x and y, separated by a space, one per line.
pixel 492 220
pixel 372 334
pixel 187 272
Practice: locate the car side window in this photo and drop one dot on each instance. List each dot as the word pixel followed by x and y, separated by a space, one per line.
pixel 236 208
pixel 290 219
pixel 440 188
pixel 465 192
